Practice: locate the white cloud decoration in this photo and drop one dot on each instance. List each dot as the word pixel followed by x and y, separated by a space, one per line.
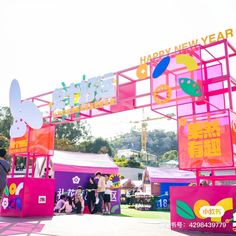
pixel 23 112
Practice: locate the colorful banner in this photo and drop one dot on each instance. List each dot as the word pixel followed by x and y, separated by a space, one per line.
pixel 205 141
pixel 12 200
pixel 68 182
pixel 211 212
pixel 36 141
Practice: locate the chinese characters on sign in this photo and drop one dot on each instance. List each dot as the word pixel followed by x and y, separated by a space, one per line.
pixel 204 139
pixel 94 93
pixel 19 145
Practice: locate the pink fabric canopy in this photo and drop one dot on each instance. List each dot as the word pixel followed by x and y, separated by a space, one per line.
pixel 170 175
pixel 83 162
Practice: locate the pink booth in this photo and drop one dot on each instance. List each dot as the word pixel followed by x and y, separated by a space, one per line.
pixel 73 169
pixel 27 196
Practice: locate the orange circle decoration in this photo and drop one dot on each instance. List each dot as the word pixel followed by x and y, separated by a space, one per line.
pixel 141 71
pixel 12 189
pixel 160 89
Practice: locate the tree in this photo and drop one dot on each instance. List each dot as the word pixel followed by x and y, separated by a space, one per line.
pixel 99 145
pixel 73 132
pixel 6 120
pixel 131 140
pixel 121 162
pixel 159 141
pixel 170 155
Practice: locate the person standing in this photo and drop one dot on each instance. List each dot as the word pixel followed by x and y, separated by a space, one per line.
pixel 101 189
pixel 91 198
pixel 128 196
pixel 107 196
pixel 4 170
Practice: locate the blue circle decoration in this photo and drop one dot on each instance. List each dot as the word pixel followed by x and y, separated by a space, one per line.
pixel 161 67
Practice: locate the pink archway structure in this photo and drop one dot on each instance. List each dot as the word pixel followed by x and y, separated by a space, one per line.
pixel 195 83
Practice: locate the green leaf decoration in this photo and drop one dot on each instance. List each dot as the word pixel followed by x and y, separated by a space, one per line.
pixel 184 210
pixel 190 87
pixel 114 208
pixel 6 191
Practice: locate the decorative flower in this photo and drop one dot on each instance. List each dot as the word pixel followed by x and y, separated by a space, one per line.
pixel 5 203
pixel 115 179
pixel 76 180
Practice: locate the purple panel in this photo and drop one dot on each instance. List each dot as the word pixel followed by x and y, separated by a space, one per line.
pixel 68 182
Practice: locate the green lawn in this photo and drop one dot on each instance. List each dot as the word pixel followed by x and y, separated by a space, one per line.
pixel 129 212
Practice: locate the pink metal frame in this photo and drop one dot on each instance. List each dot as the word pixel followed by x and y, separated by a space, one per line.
pixel 128 77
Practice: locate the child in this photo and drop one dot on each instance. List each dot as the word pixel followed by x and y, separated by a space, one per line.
pixel 60 204
pixel 68 205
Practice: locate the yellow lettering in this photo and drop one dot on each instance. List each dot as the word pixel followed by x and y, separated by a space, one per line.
pixel 204 40
pixel 184 45
pixel 143 60
pixel 220 36
pixel 96 105
pixel 168 50
pixel 193 43
pixel 155 54
pixel 229 33
pixel 106 102
pixel 177 48
pixel 212 38
pixel 112 101
pixel 161 53
pixel 149 58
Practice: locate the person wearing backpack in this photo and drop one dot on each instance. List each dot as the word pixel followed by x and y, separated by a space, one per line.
pixel 4 170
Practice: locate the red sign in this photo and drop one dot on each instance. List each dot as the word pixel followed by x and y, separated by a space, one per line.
pixel 205 141
pixel 40 141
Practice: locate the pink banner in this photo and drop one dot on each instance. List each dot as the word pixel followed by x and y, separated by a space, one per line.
pixel 211 212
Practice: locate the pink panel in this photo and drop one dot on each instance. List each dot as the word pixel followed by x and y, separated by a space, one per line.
pixel 171 180
pixel 36 198
pixel 190 213
pixel 82 169
pixel 125 97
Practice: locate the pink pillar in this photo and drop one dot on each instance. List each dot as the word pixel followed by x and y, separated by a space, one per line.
pixel 47 164
pixel 27 165
pixel 213 178
pixel 13 166
pixel 197 178
pixel 33 169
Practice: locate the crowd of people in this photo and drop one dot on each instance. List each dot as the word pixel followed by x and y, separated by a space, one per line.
pixel 97 195
pixel 130 195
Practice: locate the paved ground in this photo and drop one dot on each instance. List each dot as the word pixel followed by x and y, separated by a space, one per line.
pixel 89 225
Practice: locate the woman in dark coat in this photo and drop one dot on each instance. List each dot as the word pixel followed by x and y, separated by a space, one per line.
pixel 91 189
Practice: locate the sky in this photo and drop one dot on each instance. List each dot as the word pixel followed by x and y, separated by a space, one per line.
pixel 46 42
